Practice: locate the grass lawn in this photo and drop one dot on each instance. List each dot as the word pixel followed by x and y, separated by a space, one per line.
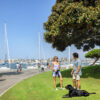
pixel 41 87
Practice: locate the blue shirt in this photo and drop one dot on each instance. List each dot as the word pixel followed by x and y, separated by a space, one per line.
pixel 77 63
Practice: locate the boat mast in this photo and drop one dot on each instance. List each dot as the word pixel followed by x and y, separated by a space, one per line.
pixel 70 49
pixel 69 54
pixel 39 47
pixel 6 44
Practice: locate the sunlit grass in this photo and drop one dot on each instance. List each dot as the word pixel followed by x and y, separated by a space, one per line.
pixel 41 87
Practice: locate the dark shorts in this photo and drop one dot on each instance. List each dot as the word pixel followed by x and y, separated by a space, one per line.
pixel 57 73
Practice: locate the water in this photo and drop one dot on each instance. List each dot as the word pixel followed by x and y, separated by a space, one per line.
pixel 85 64
pixel 12 65
pixel 24 65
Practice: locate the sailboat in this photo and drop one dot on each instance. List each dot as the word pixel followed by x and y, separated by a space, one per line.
pixel 6 64
pixel 39 63
pixel 43 62
pixel 36 65
pixel 69 62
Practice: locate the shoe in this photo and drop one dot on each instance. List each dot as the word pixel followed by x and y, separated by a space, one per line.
pixel 62 88
pixel 78 89
pixel 56 89
pixel 75 88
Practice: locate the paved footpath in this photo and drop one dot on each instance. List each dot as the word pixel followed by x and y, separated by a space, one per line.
pixel 11 78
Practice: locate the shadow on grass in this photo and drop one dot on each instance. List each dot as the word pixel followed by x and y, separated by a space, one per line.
pixel 89 71
pixel 58 85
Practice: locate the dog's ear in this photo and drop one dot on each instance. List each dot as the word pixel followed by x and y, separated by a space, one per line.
pixel 69 87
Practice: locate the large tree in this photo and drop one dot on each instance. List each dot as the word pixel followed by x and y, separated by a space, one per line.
pixel 74 22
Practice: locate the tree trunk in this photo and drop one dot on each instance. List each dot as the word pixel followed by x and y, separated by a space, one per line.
pixel 95 61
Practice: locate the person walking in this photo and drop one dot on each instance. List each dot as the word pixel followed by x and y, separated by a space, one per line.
pixel 20 67
pixel 48 66
pixel 17 67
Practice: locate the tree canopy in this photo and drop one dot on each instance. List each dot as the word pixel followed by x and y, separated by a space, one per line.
pixel 74 22
pixel 95 53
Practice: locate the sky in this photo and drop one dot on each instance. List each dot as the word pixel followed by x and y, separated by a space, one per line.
pixel 24 20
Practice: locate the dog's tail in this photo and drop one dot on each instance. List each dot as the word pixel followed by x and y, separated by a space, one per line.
pixel 92 93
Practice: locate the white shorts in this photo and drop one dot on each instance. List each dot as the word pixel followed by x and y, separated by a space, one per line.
pixel 76 77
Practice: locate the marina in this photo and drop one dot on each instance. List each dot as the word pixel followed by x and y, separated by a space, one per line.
pixel 34 65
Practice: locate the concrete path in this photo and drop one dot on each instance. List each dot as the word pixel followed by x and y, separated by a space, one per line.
pixel 10 78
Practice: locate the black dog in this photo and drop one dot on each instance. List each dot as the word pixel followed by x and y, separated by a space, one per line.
pixel 75 93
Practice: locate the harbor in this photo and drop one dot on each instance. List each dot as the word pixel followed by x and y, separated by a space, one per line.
pixel 33 64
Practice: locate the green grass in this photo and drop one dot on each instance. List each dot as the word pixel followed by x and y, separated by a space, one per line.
pixel 41 87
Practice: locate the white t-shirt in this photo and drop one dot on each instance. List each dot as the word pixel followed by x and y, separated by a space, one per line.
pixel 17 66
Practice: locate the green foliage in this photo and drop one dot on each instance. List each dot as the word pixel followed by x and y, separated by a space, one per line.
pixel 41 87
pixel 74 22
pixel 89 71
pixel 95 53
